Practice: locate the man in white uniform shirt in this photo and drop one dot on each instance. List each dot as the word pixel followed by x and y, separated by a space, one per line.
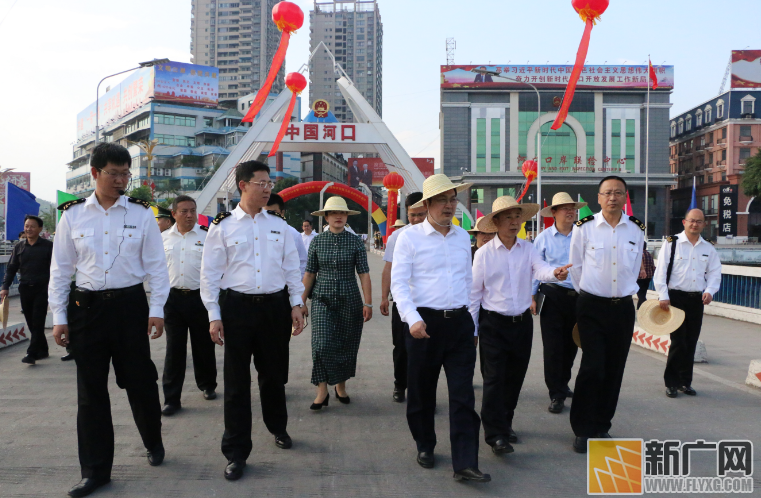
pixel 110 244
pixel 399 329
pixel 606 254
pixel 276 205
pixel 500 302
pixel 184 310
pixel 251 256
pixel 431 278
pixel 308 234
pixel 688 276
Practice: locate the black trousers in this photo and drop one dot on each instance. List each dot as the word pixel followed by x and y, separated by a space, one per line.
pixel 684 339
pixel 557 319
pixel 399 332
pixel 34 305
pixel 644 284
pixel 260 327
pixel 505 346
pixel 605 331
pixel 450 346
pixel 184 311
pixel 112 329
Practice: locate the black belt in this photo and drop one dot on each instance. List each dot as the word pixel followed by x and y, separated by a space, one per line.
pixel 112 293
pixel 526 315
pixel 258 298
pixel 445 313
pixel 694 295
pixel 185 292
pixel 560 288
pixel 608 300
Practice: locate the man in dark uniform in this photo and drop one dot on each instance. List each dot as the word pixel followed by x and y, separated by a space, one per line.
pixel 164 219
pixel 111 243
pixel 31 256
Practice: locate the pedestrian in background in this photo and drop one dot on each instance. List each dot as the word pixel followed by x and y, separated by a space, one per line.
pixel 276 205
pixel 482 238
pixel 646 273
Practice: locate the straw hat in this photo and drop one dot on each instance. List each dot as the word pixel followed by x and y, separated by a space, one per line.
pixel 658 322
pixel 575 336
pixel 505 203
pixel 335 203
pixel 475 229
pixel 438 184
pixel 398 224
pixel 4 309
pixel 560 199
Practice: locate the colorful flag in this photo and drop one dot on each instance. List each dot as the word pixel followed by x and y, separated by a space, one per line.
pixel 18 204
pixel 466 222
pixel 653 77
pixel 628 208
pixel 693 202
pixel 204 220
pixel 478 213
pixel 62 197
pixel 522 233
pixel 548 220
pixel 585 211
pixel 455 221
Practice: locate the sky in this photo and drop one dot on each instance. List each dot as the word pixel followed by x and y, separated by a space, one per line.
pixel 54 53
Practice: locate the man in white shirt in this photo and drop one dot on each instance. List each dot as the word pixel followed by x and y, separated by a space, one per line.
pixel 399 329
pixel 110 244
pixel 687 277
pixel 276 205
pixel 431 278
pixel 308 234
pixel 606 254
pixel 500 302
pixel 252 257
pixel 184 311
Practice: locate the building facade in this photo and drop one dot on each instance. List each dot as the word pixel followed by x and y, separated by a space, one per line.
pixel 491 122
pixel 353 32
pixel 323 167
pixel 240 39
pixel 709 146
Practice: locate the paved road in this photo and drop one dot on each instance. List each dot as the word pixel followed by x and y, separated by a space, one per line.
pixel 363 449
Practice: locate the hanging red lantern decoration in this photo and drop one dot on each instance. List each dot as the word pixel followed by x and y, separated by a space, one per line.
pixel 529 170
pixel 288 17
pixel 393 182
pixel 296 83
pixel 590 12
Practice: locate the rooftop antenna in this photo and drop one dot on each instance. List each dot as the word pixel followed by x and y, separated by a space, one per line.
pixel 451 46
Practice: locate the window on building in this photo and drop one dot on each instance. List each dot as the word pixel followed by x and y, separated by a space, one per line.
pixel 673 129
pixel 708 112
pixel 744 154
pixel 477 196
pixel 745 133
pixel 720 109
pixel 724 132
pixel 689 122
pixel 208 122
pixel 495 144
pixel 748 105
pixel 699 118
pixel 481 145
pixel 724 155
pixel 506 191
pixel 701 180
pixel 681 126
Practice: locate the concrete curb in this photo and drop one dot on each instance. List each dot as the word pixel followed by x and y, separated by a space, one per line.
pixel 754 374
pixel 662 343
pixel 13 334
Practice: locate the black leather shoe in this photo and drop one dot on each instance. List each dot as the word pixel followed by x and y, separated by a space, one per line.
pixel 603 435
pixel 398 394
pixel 283 441
pixel 87 486
pixel 318 406
pixel 501 447
pixel 42 356
pixel 170 410
pixel 209 394
pixel 234 470
pixel 156 455
pixel 688 390
pixel 67 357
pixel 425 459
pixel 471 474
pixel 671 392
pixel 556 406
pixel 28 359
pixel 568 393
pixel 345 400
pixel 512 436
pixel 580 444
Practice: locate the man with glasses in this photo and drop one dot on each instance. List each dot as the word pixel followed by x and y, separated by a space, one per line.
pixel 688 276
pixel 251 256
pixel 111 245
pixel 184 311
pixel 399 329
pixel 606 253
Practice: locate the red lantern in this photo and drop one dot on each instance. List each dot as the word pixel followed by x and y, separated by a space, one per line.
pixel 296 83
pixel 590 12
pixel 393 182
pixel 288 17
pixel 530 171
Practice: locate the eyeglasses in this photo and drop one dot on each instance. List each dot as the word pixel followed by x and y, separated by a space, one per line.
pixel 443 200
pixel 613 193
pixel 695 222
pixel 116 175
pixel 263 184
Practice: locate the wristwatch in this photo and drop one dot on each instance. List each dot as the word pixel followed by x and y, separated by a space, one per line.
pixel 368 305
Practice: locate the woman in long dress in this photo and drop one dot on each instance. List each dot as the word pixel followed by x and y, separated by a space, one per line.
pixel 338 312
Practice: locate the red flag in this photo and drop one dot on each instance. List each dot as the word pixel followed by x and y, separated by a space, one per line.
pixel 479 213
pixel 628 208
pixel 653 77
pixel 548 221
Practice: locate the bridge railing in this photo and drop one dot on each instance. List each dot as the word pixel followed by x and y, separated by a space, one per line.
pixel 740 286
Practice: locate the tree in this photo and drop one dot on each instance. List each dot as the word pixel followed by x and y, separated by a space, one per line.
pixel 751 180
pixel 167 203
pixel 143 192
pixel 48 218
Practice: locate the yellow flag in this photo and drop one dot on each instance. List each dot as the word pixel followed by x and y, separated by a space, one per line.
pixel 155 210
pixel 522 233
pixel 455 221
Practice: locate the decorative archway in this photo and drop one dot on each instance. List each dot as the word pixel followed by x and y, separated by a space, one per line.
pixel 338 189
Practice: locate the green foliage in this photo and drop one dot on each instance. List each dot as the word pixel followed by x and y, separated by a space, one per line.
pixel 751 180
pixel 166 203
pixel 143 192
pixel 48 219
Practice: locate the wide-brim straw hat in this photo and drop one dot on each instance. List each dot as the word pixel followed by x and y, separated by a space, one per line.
pixel 575 336
pixel 654 320
pixel 4 309
pixel 505 203
pixel 438 184
pixel 560 199
pixel 335 203
pixel 475 229
pixel 399 224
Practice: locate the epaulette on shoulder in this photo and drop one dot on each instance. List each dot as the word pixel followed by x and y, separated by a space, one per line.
pixel 66 205
pixel 671 238
pixel 275 213
pixel 204 228
pixel 585 219
pixel 637 222
pixel 220 217
pixel 143 203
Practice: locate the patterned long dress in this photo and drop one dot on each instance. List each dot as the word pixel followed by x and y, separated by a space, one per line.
pixel 336 305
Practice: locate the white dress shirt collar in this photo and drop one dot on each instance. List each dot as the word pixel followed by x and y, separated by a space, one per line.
pixel 93 201
pixel 430 229
pixel 176 230
pixel 600 219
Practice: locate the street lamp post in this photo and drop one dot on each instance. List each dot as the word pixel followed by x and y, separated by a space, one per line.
pixel 97 89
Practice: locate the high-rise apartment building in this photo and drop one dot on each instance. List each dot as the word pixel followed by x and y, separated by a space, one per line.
pixel 352 30
pixel 240 39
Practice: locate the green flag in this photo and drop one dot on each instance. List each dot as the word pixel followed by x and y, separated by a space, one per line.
pixel 62 197
pixel 466 222
pixel 585 211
